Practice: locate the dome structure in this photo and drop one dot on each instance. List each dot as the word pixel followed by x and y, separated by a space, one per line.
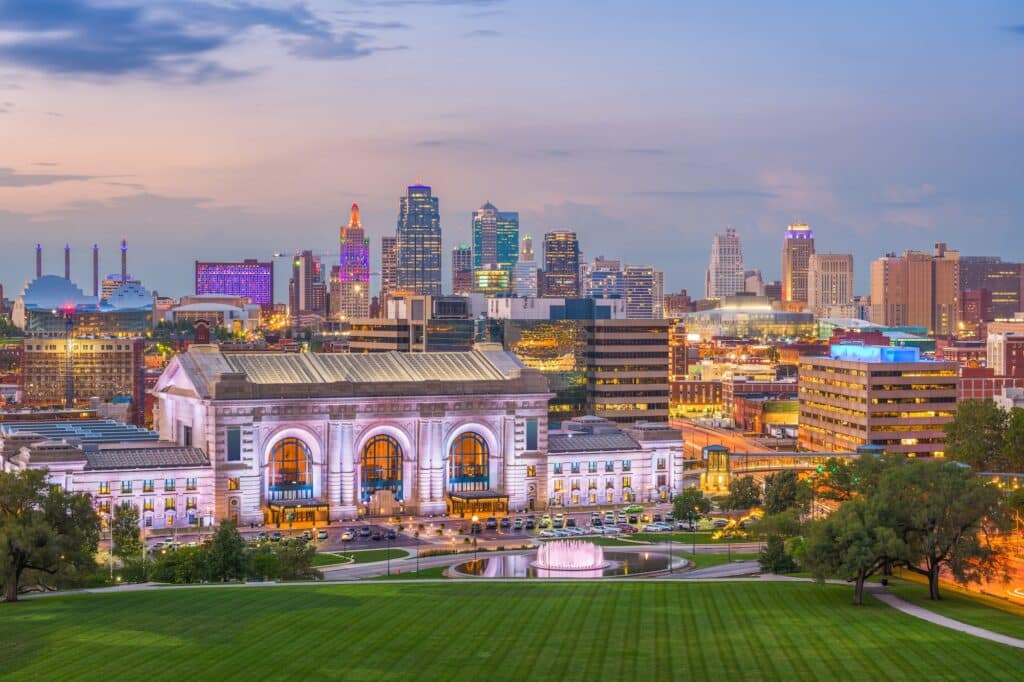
pixel 51 292
pixel 129 296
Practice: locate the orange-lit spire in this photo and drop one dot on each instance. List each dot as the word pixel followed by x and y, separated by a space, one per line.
pixel 353 220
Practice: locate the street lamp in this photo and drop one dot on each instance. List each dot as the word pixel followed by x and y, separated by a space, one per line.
pixel 389 555
pixel 417 534
pixel 473 530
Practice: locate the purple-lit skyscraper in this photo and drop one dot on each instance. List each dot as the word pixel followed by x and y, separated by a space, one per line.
pixel 352 297
pixel 250 278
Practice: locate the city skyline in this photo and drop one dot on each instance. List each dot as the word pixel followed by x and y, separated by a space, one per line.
pixel 740 138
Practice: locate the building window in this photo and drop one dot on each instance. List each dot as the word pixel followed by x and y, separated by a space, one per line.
pixel 592 467
pixel 627 482
pixel 291 470
pixel 381 467
pixel 662 480
pixel 558 486
pixel 147 486
pixel 190 502
pixel 186 436
pixel 468 464
pixel 169 485
pixel 609 467
pixel 575 484
pixel 609 483
pixel 531 470
pixel 169 504
pixel 591 484
pixel 609 497
pixel 234 483
pixel 147 504
pixel 104 488
pixel 170 519
pixel 627 465
pixel 531 433
pixel 557 468
pixel 191 483
pixel 234 438
pixel 103 507
pixel 126 487
pixel 661 464
pixel 575 467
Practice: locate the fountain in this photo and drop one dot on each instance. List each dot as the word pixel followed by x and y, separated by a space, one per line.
pixel 570 555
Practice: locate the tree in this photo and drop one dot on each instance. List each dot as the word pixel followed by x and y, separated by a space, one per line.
pixel 743 494
pixel 1013 441
pixel 296 561
pixel 944 513
pixel 855 542
pixel 975 435
pixel 44 531
pixel 774 558
pixel 124 529
pixel 780 492
pixel 225 558
pixel 263 564
pixel 690 504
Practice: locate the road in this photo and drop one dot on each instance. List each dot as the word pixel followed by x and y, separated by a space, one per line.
pixel 697 436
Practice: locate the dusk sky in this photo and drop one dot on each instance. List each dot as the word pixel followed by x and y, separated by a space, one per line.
pixel 225 130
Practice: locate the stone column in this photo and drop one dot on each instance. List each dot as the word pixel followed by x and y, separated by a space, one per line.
pixel 334 469
pixel 424 465
pixel 436 462
pixel 346 435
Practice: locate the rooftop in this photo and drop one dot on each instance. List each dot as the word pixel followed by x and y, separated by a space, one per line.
pixel 590 442
pixel 145 458
pixel 84 431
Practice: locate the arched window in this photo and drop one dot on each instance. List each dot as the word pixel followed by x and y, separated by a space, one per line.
pixel 291 470
pixel 382 467
pixel 468 467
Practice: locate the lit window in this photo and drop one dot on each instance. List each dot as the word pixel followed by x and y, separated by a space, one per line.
pixel 234 484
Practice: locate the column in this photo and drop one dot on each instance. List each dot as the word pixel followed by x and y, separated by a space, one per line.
pixel 435 452
pixel 348 468
pixel 424 465
pixel 334 469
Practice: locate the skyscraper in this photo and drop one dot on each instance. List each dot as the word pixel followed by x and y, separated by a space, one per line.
pixel 524 278
pixel 830 284
pixel 388 267
pixel 643 290
pixel 917 289
pixel 1003 280
pixel 462 269
pixel 605 279
pixel 495 237
pixel 419 242
pixel 307 291
pixel 250 278
pixel 561 264
pixel 354 271
pixel 725 275
pixel 796 250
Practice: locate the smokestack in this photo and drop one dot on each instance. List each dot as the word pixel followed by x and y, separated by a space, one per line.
pixel 67 262
pixel 124 261
pixel 96 270
pixel 39 261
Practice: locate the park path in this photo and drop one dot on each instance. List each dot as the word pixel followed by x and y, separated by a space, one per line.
pixel 880 593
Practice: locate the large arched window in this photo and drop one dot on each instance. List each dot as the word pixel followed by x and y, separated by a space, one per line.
pixel 381 467
pixel 291 470
pixel 468 467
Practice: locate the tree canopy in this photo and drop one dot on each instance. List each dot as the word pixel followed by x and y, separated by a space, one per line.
pixel 124 528
pixel 690 504
pixel 985 437
pixel 743 494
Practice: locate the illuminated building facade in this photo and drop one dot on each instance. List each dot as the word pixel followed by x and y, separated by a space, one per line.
pixel 53 306
pixel 644 293
pixel 495 238
pixel 462 270
pixel 796 252
pixel 491 281
pixel 627 370
pixel 561 265
pixel 418 246
pixel 309 437
pixel 353 284
pixel 388 267
pixel 1001 280
pixel 876 395
pixel 524 274
pixel 249 278
pixel 750 317
pixel 725 275
pixel 307 290
pixel 917 289
pixel 830 284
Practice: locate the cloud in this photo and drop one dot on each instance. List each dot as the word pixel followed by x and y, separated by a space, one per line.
pixel 11 178
pixel 556 153
pixel 1017 28
pixel 726 193
pixel 483 33
pixel 645 151
pixel 378 25
pixel 429 3
pixel 162 40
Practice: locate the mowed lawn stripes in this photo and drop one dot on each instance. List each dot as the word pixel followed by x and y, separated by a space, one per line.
pixel 473 630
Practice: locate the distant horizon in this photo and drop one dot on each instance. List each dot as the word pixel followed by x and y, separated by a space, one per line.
pixel 223 131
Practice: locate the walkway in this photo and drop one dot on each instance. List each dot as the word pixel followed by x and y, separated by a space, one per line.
pixel 883 595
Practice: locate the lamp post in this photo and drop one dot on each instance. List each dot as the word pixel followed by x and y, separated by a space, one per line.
pixel 389 555
pixel 670 551
pixel 417 534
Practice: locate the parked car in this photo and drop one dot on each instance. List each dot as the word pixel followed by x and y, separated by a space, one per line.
pixel 548 533
pixel 663 525
pixel 492 523
pixel 392 535
pixel 321 535
pixel 620 518
pixel 347 536
pixel 651 528
pixel 530 525
pixel 364 532
pixel 720 523
pixel 609 517
pixel 505 523
pixel 656 518
pixel 570 522
pixel 476 529
pixel 276 536
pixel 518 525
pixel 574 531
pixel 559 523
pixel 633 509
pixel 626 528
pixel 261 536
pixel 545 521
pixel 633 518
pixel 686 525
pixel 307 535
pixel 377 535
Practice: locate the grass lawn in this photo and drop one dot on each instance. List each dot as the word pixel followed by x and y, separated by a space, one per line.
pixel 602 540
pixel 328 558
pixel 686 538
pixel 367 556
pixel 496 631
pixel 424 574
pixel 709 560
pixel 973 609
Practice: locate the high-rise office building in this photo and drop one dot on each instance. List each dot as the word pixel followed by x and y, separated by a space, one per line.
pixel 249 278
pixel 353 295
pixel 524 274
pixel 875 395
pixel 1003 280
pixel 419 242
pixel 643 292
pixel 830 284
pixel 796 252
pixel 561 264
pixel 628 386
pixel 917 289
pixel 725 274
pixel 307 291
pixel 495 238
pixel 605 279
pixel 462 270
pixel 388 267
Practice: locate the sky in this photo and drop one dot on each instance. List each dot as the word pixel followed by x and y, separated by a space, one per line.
pixel 202 129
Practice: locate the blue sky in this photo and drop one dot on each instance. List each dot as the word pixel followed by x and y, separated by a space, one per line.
pixel 238 129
